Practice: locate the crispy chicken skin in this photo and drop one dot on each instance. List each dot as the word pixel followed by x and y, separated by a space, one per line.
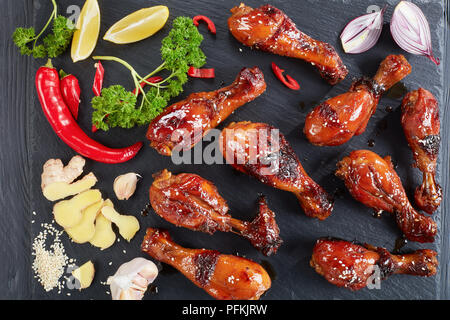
pixel 188 200
pixel 186 122
pixel 421 124
pixel 337 120
pixel 373 181
pixel 224 277
pixel 253 149
pixel 349 265
pixel 270 29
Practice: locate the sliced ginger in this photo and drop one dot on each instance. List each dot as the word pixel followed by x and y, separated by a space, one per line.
pixel 85 230
pixel 61 190
pixel 85 274
pixel 104 236
pixel 128 225
pixel 68 213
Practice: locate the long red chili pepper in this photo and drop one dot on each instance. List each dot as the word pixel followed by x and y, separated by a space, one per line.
pixel 201 73
pixel 98 79
pixel 288 81
pixel 58 114
pixel 209 23
pixel 151 80
pixel 70 90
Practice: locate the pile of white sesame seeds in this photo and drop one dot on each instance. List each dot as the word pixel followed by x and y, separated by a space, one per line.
pixel 50 264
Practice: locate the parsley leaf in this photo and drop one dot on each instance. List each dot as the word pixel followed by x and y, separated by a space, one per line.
pixel 179 50
pixel 53 44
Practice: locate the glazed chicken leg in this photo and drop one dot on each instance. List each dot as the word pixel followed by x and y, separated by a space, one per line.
pixel 373 181
pixel 421 124
pixel 184 123
pixel 338 119
pixel 225 277
pixel 349 265
pixel 269 29
pixel 259 150
pixel 189 201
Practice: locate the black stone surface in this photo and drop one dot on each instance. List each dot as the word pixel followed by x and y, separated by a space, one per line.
pixel 27 141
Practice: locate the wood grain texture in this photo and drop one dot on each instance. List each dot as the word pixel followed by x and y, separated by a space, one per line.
pixel 28 141
pixel 16 96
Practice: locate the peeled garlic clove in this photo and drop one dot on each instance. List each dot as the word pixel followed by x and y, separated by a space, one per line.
pixel 132 279
pixel 125 185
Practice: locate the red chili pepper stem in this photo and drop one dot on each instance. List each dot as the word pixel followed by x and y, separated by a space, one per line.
pixel 208 21
pixel 288 81
pixel 58 115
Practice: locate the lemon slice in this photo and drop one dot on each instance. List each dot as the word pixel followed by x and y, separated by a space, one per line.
pixel 138 25
pixel 88 28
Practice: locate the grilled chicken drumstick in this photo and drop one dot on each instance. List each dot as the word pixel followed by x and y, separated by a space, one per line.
pixel 269 29
pixel 258 150
pixel 225 277
pixel 346 264
pixel 338 119
pixel 189 201
pixel 421 124
pixel 373 181
pixel 186 122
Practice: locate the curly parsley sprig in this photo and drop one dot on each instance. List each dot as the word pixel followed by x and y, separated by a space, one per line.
pixel 53 44
pixel 117 107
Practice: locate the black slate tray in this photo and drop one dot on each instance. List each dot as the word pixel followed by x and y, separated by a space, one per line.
pixel 29 141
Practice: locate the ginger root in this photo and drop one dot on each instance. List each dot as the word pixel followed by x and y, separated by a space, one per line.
pixel 128 225
pixel 104 236
pixel 68 213
pixel 84 275
pixel 60 190
pixel 85 230
pixel 54 171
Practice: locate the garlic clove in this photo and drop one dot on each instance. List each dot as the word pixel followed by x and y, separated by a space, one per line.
pixel 125 185
pixel 132 279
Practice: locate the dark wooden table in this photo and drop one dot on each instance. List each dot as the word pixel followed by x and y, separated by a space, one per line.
pixel 27 140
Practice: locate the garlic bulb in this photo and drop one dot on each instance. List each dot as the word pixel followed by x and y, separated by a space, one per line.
pixel 125 185
pixel 132 279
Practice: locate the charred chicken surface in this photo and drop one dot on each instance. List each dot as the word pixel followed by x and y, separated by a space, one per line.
pixel 270 29
pixel 186 122
pixel 259 150
pixel 373 181
pixel 188 200
pixel 337 120
pixel 349 265
pixel 224 277
pixel 421 124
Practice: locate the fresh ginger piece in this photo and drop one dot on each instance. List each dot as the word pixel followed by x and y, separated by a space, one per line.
pixel 85 230
pixel 60 190
pixel 104 236
pixel 54 171
pixel 84 274
pixel 68 213
pixel 128 225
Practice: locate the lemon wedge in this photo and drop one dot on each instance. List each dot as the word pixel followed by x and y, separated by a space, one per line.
pixel 88 28
pixel 138 25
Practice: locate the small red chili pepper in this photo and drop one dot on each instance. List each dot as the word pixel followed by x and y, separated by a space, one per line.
pixel 151 80
pixel 59 116
pixel 201 73
pixel 209 23
pixel 70 90
pixel 288 81
pixel 98 79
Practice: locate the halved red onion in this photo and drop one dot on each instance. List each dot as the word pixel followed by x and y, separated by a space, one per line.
pixel 362 33
pixel 411 31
